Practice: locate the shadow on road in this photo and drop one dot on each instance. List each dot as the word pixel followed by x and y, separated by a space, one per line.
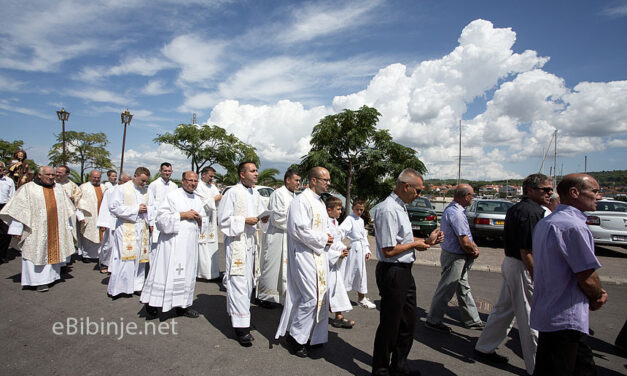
pixel 607 252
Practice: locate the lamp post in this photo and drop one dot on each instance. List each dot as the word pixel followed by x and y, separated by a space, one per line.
pixel 126 120
pixel 63 116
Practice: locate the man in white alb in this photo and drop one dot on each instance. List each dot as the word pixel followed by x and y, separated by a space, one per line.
pixel 306 309
pixel 106 223
pixel 134 211
pixel 273 276
pixel 238 215
pixel 112 177
pixel 87 210
pixel 158 189
pixel 172 276
pixel 208 256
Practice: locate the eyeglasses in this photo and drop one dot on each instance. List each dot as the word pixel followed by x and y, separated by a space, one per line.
pixel 545 189
pixel 418 191
pixel 324 180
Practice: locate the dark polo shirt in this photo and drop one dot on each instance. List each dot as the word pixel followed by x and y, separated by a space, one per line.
pixel 520 221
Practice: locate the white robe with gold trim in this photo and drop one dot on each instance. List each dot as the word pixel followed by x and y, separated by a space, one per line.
pixel 208 255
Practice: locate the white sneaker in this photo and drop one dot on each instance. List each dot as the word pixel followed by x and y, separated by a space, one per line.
pixel 366 303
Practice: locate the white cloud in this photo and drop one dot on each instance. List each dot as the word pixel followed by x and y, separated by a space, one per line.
pixel 9 84
pixel 616 10
pixel 152 159
pixel 9 105
pixel 99 95
pixel 617 143
pixel 156 87
pixel 198 59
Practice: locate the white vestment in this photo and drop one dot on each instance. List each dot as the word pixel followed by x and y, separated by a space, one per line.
pixel 107 221
pixel 172 275
pixel 109 185
pixel 273 277
pixel 44 245
pixel 305 312
pixel 355 277
pixel 158 189
pixel 208 256
pixel 338 298
pixel 74 193
pixel 127 273
pixel 240 243
pixel 89 237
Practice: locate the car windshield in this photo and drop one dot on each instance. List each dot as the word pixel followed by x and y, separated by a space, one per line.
pixel 611 206
pixel 422 202
pixel 493 207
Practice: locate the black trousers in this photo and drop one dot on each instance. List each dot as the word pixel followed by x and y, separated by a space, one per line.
pixel 395 334
pixel 562 353
pixel 5 239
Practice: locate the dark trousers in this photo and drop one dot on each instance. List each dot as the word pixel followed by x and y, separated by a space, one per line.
pixel 395 333
pixel 5 239
pixel 562 353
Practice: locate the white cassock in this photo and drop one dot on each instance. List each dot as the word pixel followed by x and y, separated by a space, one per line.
pixel 158 189
pixel 109 185
pixel 87 209
pixel 172 275
pixel 240 243
pixel 131 240
pixel 355 277
pixel 107 221
pixel 74 193
pixel 208 256
pixel 306 310
pixel 42 217
pixel 273 277
pixel 338 298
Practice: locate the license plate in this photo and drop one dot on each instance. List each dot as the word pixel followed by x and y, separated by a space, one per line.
pixel 619 238
pixel 415 227
pixel 499 223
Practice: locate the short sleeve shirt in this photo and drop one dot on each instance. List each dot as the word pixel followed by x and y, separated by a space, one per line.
pixel 392 227
pixel 562 246
pixel 454 224
pixel 520 221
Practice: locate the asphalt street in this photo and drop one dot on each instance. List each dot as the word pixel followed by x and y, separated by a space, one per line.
pixel 75 329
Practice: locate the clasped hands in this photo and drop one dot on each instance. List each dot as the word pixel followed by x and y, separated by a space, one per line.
pixel 191 215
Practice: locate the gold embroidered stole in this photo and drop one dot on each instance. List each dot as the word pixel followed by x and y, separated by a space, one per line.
pixel 53 225
pixel 238 246
pixel 317 225
pixel 99 195
pixel 129 233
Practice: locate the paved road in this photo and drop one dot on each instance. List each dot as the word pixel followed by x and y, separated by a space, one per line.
pixel 205 346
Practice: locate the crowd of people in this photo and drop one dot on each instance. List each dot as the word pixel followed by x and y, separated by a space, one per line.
pixel 156 239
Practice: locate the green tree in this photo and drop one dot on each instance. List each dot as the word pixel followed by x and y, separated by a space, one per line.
pixel 360 158
pixel 87 150
pixel 208 145
pixel 267 177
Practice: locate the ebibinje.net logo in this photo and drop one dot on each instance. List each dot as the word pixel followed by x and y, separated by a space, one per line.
pixel 86 326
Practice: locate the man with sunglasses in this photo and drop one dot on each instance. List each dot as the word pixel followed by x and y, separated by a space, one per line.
pixel 517 286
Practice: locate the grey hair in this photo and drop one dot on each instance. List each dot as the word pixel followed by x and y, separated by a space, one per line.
pixel 407 174
pixel 554 197
pixel 462 190
pixel 534 181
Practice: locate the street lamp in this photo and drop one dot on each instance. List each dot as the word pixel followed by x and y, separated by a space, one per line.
pixel 126 120
pixel 63 116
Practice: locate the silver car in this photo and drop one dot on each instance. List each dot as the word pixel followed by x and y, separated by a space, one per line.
pixel 487 217
pixel 609 222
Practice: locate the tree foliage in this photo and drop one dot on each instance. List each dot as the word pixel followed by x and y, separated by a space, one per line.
pixel 268 177
pixel 87 150
pixel 8 149
pixel 361 159
pixel 208 145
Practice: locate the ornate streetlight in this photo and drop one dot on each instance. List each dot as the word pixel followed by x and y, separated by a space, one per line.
pixel 63 116
pixel 126 120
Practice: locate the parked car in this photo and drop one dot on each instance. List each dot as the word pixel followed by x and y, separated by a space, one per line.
pixel 422 217
pixel 487 217
pixel 264 192
pixel 608 223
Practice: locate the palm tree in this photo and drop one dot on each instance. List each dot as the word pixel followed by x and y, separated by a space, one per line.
pixel 266 177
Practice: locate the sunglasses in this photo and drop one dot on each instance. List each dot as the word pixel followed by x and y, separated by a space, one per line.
pixel 545 189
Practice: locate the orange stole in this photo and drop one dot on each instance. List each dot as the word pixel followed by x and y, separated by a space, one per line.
pixel 53 226
pixel 98 190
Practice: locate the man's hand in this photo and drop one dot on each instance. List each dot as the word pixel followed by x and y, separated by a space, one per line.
pixel 265 219
pixel 330 239
pixel 475 251
pixel 150 228
pixel 190 215
pixel 217 197
pixel 420 244
pixel 344 253
pixel 598 303
pixel 367 256
pixel 143 208
pixel 435 237
pixel 251 221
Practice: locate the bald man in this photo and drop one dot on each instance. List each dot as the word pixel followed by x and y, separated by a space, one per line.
pixel 458 253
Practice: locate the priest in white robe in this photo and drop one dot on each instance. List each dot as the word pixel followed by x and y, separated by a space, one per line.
pixel 273 277
pixel 40 213
pixel 306 309
pixel 158 189
pixel 87 210
pixel 106 224
pixel 238 215
pixel 112 177
pixel 172 276
pixel 208 255
pixel 62 178
pixel 134 211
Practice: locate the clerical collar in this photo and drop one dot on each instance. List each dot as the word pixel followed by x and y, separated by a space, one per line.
pixel 38 181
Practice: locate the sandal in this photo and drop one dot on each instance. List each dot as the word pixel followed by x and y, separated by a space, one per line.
pixel 341 322
pixel 104 270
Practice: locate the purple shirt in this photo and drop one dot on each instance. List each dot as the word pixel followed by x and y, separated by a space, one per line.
pixel 562 246
pixel 453 224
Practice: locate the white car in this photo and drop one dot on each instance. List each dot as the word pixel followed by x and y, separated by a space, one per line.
pixel 264 192
pixel 608 223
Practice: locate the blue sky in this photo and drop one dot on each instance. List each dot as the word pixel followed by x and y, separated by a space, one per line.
pixel 269 71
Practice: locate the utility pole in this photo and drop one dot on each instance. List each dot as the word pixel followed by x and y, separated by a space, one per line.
pixel 585 164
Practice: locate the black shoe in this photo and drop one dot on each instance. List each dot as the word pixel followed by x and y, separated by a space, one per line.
pixel 245 340
pixel 42 288
pixel 479 325
pixel 151 312
pixel 187 312
pixel 490 358
pixel 439 327
pixel 296 348
pixel 4 260
pixel 265 304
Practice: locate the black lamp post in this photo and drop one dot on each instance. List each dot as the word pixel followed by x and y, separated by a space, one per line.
pixel 63 116
pixel 126 120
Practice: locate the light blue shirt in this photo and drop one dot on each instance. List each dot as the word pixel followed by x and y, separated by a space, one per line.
pixel 454 223
pixel 7 189
pixel 392 227
pixel 562 246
